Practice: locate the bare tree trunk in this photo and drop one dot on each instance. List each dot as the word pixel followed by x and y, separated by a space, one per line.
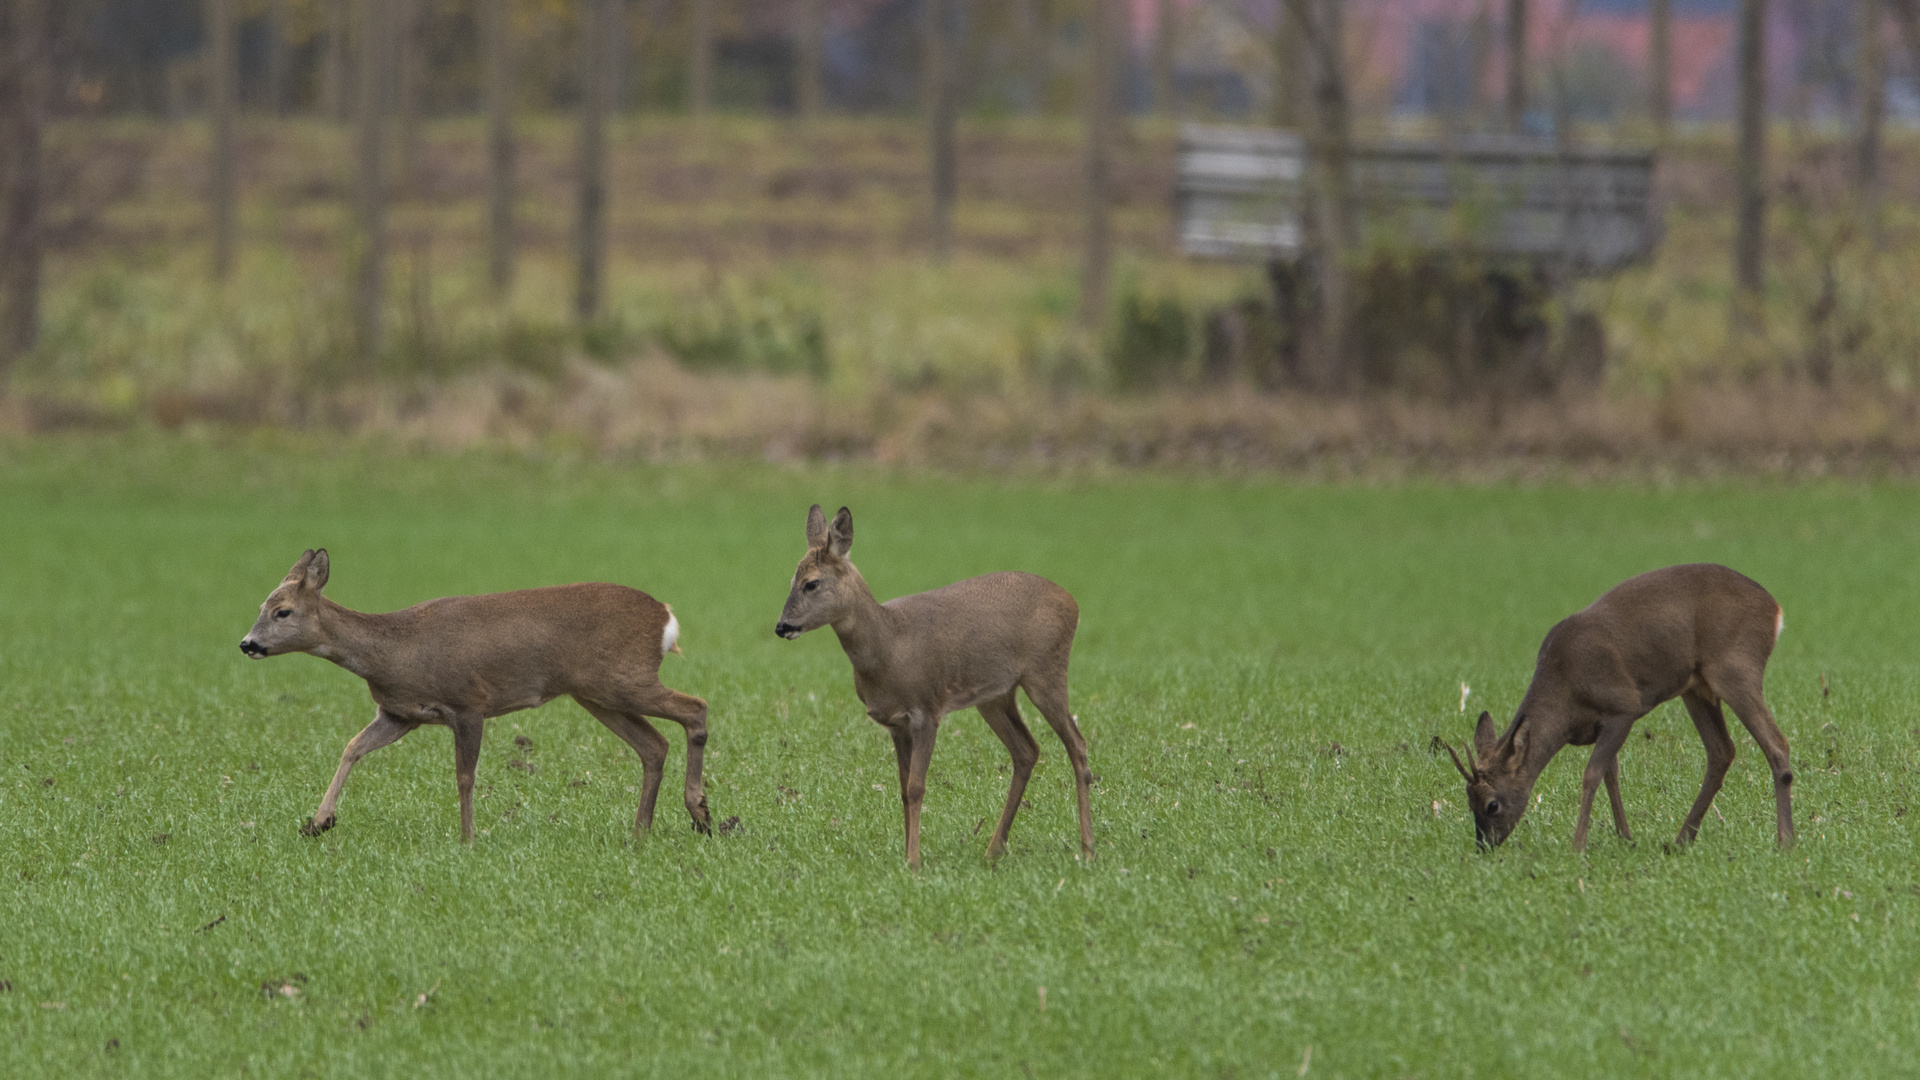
pixel 406 92
pixel 598 19
pixel 333 62
pixel 1164 15
pixel 1660 67
pixel 1516 63
pixel 1749 245
pixel 372 74
pixel 941 91
pixel 222 74
pixel 1328 209
pixel 23 103
pixel 276 31
pixel 1331 149
pixel 700 62
pixel 811 33
pixel 1480 56
pixel 618 61
pixel 1293 81
pixel 1098 255
pixel 1872 59
pixel 1034 35
pixel 497 39
pixel 1908 19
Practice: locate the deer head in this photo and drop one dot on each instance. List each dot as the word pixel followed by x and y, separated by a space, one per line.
pixel 825 585
pixel 1498 784
pixel 289 620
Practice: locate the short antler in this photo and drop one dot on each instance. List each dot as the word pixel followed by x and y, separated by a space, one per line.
pixel 1470 770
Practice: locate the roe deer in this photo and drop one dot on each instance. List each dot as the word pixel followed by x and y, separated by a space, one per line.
pixel 460 660
pixel 918 658
pixel 1700 632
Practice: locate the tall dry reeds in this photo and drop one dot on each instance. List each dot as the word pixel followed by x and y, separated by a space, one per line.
pixel 655 410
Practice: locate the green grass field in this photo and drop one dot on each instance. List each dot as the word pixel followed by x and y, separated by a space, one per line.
pixel 1284 868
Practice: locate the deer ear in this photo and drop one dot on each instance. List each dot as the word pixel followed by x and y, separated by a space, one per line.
pixel 316 575
pixel 816 527
pixel 1517 743
pixel 299 571
pixel 840 534
pixel 1484 736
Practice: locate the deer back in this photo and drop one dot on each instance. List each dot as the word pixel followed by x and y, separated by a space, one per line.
pixel 504 651
pixel 957 644
pixel 1645 640
pixel 991 628
pixel 1642 642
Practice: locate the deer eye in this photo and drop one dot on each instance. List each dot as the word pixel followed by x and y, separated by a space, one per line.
pixel 283 613
pixel 1493 807
pixel 811 585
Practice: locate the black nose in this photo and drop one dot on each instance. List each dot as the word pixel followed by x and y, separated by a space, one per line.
pixel 786 630
pixel 252 648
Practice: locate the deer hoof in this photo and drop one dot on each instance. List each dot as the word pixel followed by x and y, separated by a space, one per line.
pixel 315 828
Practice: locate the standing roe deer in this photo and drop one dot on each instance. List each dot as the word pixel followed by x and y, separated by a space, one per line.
pixel 1700 632
pixel 918 658
pixel 460 660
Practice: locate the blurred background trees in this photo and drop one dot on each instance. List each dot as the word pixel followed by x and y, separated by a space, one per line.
pixel 904 192
pixel 25 51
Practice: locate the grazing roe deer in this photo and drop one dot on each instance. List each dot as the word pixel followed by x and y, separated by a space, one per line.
pixel 461 660
pixel 1699 632
pixel 918 658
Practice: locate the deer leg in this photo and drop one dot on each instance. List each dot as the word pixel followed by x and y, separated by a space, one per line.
pixel 1003 716
pixel 647 742
pixel 1711 723
pixel 1744 695
pixel 384 731
pixel 921 729
pixel 466 761
pixel 1605 752
pixel 1589 783
pixel 1049 695
pixel 691 714
pixel 1612 778
pixel 903 758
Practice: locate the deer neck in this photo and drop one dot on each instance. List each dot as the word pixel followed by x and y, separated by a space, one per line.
pixel 1547 735
pixel 865 630
pixel 355 640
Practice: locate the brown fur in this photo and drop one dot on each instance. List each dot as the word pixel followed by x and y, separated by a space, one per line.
pixel 1701 633
pixel 461 660
pixel 918 658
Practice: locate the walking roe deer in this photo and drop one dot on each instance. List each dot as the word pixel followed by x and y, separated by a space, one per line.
pixel 1699 632
pixel 461 660
pixel 917 658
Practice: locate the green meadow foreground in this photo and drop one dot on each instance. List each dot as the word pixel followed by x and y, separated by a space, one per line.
pixel 1285 883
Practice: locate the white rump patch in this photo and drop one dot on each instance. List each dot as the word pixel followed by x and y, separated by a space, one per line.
pixel 1779 622
pixel 670 638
